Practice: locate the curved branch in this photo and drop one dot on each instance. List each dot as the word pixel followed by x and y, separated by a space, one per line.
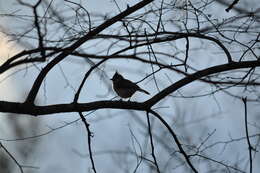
pixel 172 36
pixel 31 109
pixel 199 74
pixel 175 139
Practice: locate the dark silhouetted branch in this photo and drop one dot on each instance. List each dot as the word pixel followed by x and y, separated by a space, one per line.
pixel 247 136
pixel 231 5
pixel 187 158
pixel 152 143
pixel 12 157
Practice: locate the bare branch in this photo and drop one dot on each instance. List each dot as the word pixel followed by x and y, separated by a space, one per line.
pixel 12 157
pixel 89 134
pixel 247 136
pixel 151 141
pixel 186 156
pixel 231 5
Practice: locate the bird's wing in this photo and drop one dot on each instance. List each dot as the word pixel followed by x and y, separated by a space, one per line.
pixel 128 84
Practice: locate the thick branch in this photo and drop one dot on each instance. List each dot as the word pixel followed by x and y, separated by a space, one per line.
pixel 199 74
pixel 29 108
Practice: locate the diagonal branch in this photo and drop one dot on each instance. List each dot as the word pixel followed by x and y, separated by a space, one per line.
pixel 12 157
pixel 151 141
pixel 187 158
pixel 231 5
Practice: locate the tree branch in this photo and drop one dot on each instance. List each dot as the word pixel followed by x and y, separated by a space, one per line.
pixel 199 74
pixel 187 158
pixel 151 141
pixel 12 157
pixel 247 136
pixel 31 109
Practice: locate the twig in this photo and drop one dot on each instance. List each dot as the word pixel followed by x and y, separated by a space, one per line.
pixel 150 50
pixel 76 97
pixel 160 20
pixel 151 141
pixel 12 157
pixel 186 156
pixel 221 163
pixel 90 134
pixel 231 5
pixel 247 136
pixel 134 139
pixel 37 25
pixel 187 53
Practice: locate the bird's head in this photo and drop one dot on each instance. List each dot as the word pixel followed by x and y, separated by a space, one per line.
pixel 117 77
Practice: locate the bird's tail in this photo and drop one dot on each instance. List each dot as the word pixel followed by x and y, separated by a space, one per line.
pixel 142 90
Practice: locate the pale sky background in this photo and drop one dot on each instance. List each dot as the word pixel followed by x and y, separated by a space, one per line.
pixel 64 150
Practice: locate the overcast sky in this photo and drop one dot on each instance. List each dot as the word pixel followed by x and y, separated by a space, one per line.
pixel 65 150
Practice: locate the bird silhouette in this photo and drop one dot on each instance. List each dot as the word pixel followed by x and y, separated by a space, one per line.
pixel 124 87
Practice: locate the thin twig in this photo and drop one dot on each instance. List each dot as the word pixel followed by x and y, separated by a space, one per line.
pixel 247 136
pixel 187 53
pixel 76 97
pixel 134 139
pixel 12 157
pixel 151 141
pixel 90 134
pixel 150 50
pixel 186 156
pixel 220 163
pixel 37 25
pixel 231 5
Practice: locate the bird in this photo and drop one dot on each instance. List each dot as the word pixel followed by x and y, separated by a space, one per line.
pixel 124 87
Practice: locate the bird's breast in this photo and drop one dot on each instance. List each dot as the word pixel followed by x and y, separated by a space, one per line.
pixel 124 92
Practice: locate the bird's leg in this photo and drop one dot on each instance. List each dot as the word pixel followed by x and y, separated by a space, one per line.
pixel 129 99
